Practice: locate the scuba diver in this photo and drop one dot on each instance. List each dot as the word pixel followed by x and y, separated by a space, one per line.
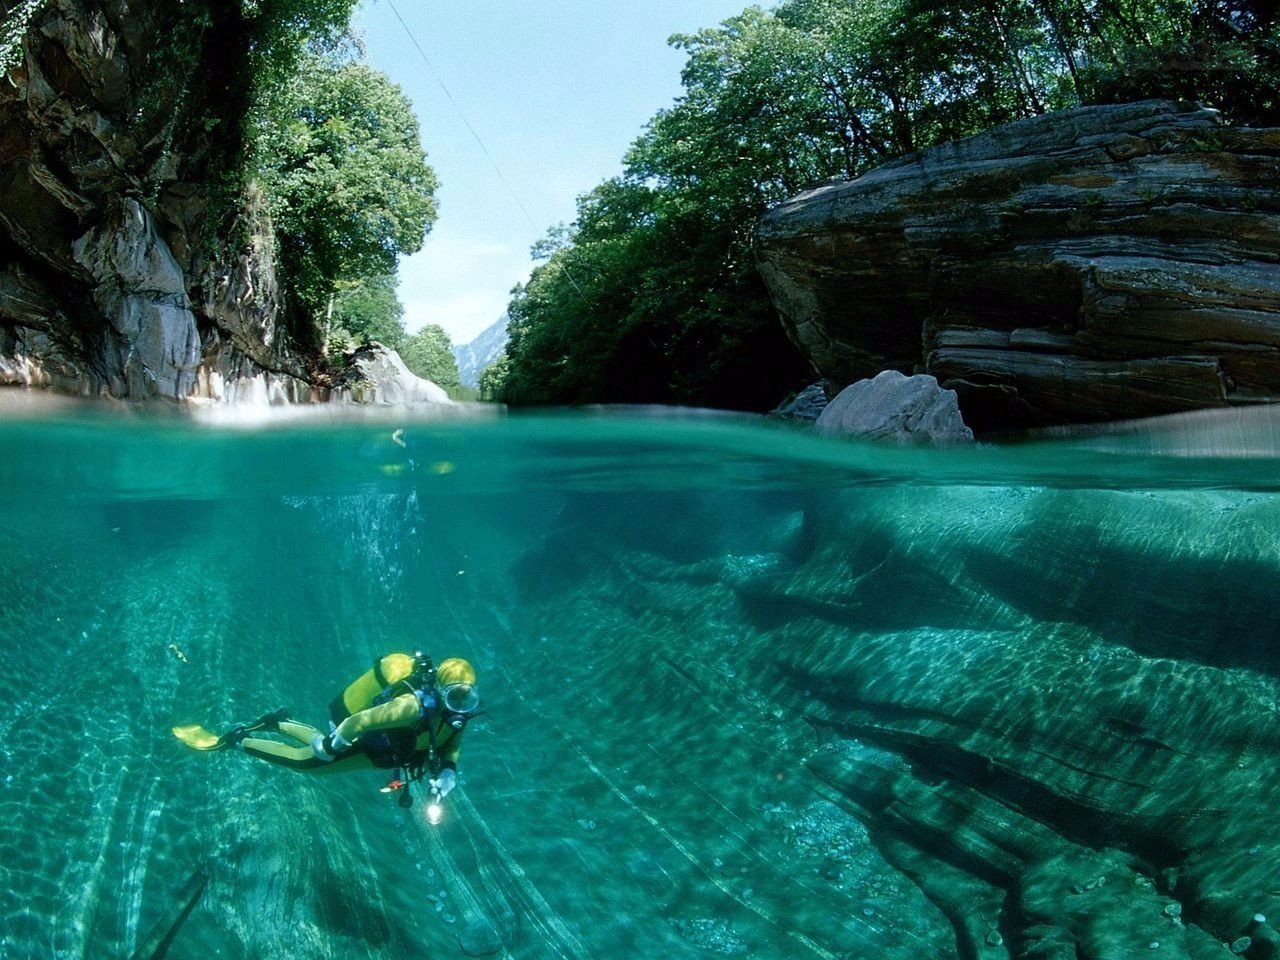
pixel 404 714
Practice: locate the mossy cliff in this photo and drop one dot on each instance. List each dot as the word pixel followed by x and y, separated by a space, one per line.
pixel 133 263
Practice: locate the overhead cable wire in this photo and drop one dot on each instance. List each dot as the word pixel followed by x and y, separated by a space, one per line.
pixel 479 142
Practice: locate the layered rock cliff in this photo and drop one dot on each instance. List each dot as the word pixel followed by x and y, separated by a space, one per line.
pixel 116 273
pixel 1097 264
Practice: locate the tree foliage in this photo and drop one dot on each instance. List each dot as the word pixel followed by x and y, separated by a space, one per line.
pixel 493 378
pixel 15 15
pixel 370 310
pixel 651 294
pixel 215 71
pixel 350 189
pixel 429 354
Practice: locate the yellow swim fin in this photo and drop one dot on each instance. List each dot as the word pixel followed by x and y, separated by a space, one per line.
pixel 198 737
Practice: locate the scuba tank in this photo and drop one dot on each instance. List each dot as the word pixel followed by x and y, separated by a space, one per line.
pixel 388 671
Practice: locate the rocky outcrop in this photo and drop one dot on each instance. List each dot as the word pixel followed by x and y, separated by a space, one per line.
pixel 1091 265
pixel 111 281
pixel 117 276
pixel 891 406
pixel 380 376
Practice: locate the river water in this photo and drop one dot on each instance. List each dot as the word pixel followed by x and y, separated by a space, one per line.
pixel 666 613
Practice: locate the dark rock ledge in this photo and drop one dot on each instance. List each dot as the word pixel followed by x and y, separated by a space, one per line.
pixel 1098 264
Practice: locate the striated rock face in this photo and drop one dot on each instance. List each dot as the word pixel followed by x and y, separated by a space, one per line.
pixel 115 275
pixel 1092 265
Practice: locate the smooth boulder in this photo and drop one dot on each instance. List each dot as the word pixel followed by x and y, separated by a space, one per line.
pixel 891 406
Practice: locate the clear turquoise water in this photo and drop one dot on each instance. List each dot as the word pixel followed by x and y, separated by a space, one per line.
pixel 637 787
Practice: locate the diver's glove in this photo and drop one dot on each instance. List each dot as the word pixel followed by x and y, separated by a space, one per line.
pixel 328 748
pixel 444 782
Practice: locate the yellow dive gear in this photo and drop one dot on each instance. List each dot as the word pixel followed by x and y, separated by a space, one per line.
pixel 455 670
pixel 388 670
pixel 198 738
pixel 194 735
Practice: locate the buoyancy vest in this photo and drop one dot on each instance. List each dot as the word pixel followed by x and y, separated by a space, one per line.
pixel 391 676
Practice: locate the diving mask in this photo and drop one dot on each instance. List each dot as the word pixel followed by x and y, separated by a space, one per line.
pixel 460 698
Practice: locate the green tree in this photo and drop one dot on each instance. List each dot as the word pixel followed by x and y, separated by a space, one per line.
pixel 429 354
pixel 492 379
pixel 347 178
pixel 370 310
pixel 17 16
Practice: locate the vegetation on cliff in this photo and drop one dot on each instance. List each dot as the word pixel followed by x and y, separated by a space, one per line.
pixel 652 293
pixel 14 19
pixel 284 107
pixel 429 354
pixel 339 155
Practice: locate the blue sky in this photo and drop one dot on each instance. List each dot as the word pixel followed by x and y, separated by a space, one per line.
pixel 556 91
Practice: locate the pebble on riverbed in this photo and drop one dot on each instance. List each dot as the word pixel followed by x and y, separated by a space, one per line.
pixel 479 939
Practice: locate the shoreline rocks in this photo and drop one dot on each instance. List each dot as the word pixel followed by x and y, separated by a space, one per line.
pixel 117 275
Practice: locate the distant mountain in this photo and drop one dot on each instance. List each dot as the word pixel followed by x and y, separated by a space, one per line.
pixel 479 353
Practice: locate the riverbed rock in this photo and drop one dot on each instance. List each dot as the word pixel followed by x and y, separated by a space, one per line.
pixel 1052 710
pixel 1090 265
pixel 479 939
pixel 891 406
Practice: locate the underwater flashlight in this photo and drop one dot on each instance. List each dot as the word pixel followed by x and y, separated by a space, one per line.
pixel 434 810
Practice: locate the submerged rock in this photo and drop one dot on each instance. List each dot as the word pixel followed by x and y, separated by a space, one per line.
pixel 479 939
pixel 714 936
pixel 1054 712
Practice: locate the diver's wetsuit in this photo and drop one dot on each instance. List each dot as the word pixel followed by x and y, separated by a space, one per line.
pixel 381 736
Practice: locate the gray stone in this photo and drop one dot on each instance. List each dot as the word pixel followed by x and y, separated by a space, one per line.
pixel 891 406
pixel 808 404
pixel 479 939
pixel 141 291
pixel 383 378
